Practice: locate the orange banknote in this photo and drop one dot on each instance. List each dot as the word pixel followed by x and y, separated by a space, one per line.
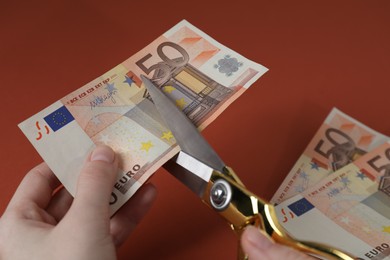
pixel 349 209
pixel 339 141
pixel 199 74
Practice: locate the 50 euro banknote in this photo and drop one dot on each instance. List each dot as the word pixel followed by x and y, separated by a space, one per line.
pixel 349 209
pixel 339 141
pixel 199 74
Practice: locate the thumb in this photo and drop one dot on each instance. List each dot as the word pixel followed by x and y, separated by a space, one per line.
pixel 259 246
pixel 95 183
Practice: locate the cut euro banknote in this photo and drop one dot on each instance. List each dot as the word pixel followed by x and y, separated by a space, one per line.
pixel 349 209
pixel 339 141
pixel 199 74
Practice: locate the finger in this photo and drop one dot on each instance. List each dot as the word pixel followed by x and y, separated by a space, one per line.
pixel 95 184
pixel 36 188
pixel 260 246
pixel 60 204
pixel 127 218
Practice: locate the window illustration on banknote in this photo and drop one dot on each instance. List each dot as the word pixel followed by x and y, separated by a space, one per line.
pixel 384 185
pixel 192 91
pixel 343 151
pixel 380 199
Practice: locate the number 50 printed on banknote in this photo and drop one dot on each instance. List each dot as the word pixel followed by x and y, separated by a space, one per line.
pixel 199 74
pixel 340 140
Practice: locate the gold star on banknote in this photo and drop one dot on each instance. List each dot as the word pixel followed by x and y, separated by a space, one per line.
pixel 167 135
pixel 366 229
pixel 146 146
pixel 345 220
pixel 168 89
pixel 386 229
pixel 181 103
pixel 104 139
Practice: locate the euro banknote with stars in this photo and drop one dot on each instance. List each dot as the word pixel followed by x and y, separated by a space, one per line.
pixel 349 209
pixel 198 73
pixel 339 141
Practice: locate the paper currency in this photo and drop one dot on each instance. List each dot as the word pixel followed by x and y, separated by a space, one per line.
pixel 200 75
pixel 349 209
pixel 339 141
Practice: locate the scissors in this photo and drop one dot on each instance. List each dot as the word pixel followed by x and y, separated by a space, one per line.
pixel 200 168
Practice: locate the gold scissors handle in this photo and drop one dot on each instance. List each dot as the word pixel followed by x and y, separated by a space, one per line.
pixel 223 191
pixel 242 208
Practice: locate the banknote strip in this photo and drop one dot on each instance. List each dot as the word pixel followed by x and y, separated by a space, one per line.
pixel 349 209
pixel 339 141
pixel 199 74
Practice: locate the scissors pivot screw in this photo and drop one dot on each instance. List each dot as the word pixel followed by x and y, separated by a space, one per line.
pixel 220 194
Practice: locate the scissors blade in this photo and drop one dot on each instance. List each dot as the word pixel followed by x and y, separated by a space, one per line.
pixel 186 134
pixel 187 177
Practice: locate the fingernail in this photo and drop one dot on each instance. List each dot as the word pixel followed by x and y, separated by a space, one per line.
pixel 103 153
pixel 256 238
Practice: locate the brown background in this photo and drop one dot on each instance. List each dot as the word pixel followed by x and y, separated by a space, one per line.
pixel 320 54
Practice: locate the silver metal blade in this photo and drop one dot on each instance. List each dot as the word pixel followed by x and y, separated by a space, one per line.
pixel 186 134
pixel 192 181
